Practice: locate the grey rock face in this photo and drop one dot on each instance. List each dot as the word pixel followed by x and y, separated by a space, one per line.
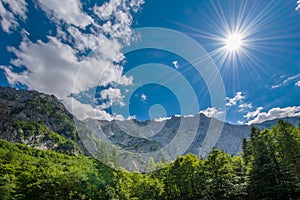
pixel 182 134
pixel 23 105
pixel 37 120
pixel 229 139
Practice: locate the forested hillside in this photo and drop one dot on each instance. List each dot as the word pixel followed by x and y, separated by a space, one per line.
pixel 268 168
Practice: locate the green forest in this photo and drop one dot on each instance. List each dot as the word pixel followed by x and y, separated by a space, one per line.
pixel 267 168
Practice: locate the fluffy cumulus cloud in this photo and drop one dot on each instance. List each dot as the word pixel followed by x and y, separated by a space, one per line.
pixel 111 96
pixel 213 112
pixel 52 68
pixel 234 100
pixel 84 111
pixel 10 11
pixel 68 10
pixel 298 5
pixel 60 65
pixel 297 84
pixel 253 114
pixel 275 113
pixel 49 66
pixel 117 18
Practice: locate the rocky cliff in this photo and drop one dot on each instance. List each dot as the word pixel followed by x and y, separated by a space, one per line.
pixel 37 120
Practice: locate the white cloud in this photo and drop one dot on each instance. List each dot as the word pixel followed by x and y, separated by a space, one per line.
pixel 131 117
pixel 233 101
pixel 161 119
pixel 112 96
pixel 286 81
pixel 253 113
pixel 298 84
pixel 276 113
pixel 240 122
pixel 245 106
pixel 83 111
pixel 57 67
pixel 276 86
pixel 175 63
pixel 143 97
pixel 108 9
pixel 136 4
pixel 52 68
pixel 8 17
pixel 298 5
pixel 68 10
pixel 117 17
pixel 213 112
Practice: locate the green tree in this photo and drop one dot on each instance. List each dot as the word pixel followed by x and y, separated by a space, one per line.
pixel 275 154
pixel 223 178
pixel 8 185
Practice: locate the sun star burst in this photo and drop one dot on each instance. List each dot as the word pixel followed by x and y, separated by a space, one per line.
pixel 234 42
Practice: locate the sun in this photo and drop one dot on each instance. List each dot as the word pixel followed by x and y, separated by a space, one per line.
pixel 233 42
pixel 238 37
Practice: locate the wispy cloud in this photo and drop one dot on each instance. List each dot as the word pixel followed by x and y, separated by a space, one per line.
pixel 244 107
pixel 8 17
pixel 291 78
pixel 275 113
pixel 234 100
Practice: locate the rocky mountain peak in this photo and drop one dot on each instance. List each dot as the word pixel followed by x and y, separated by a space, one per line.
pixel 42 121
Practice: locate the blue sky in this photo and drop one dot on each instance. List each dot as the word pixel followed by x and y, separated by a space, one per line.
pixel 74 49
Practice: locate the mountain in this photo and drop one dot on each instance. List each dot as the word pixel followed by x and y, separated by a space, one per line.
pixel 131 135
pixel 37 120
pixel 41 121
pixel 295 121
pixel 150 136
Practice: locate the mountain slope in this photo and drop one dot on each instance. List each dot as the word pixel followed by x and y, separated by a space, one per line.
pixel 149 136
pixel 230 139
pixel 41 121
pixel 37 120
pixel 22 105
